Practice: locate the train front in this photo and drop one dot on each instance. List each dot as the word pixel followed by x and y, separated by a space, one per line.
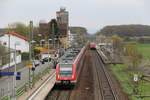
pixel 92 46
pixel 65 74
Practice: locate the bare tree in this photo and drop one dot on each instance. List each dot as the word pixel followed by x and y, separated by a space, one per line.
pixel 117 43
pixel 133 55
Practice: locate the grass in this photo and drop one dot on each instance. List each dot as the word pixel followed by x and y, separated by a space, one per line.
pixel 144 49
pixel 126 80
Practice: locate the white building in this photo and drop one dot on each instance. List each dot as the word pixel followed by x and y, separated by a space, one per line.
pixel 15 38
pixel 49 53
pixel 12 59
pixel 71 38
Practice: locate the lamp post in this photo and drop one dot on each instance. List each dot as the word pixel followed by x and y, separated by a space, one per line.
pixel 15 72
pixel 48 51
pixel 55 43
pixel 41 46
pixel 9 59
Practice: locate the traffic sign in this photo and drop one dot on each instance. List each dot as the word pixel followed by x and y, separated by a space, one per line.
pixel 33 68
pixel 9 73
pixel 135 77
pixel 18 78
pixel 6 73
pixel 30 65
pixel 18 73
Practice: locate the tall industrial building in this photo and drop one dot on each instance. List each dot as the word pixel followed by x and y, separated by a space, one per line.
pixel 62 16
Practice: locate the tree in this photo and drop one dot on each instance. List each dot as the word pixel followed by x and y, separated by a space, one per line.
pixel 133 55
pixel 64 42
pixel 117 43
pixel 125 30
pixel 19 28
pixel 54 27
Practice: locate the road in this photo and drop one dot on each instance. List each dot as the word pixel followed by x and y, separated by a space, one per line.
pixel 24 79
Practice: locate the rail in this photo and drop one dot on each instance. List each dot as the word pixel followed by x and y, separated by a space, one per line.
pixel 107 83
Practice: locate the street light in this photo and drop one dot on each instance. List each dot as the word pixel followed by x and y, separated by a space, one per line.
pixel 41 46
pixel 32 42
pixel 15 73
pixel 48 51
pixel 55 42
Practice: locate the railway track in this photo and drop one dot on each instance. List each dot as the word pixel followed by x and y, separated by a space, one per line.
pixel 59 93
pixel 94 82
pixel 83 90
pixel 107 92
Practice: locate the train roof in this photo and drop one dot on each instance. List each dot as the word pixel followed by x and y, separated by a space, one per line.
pixel 70 56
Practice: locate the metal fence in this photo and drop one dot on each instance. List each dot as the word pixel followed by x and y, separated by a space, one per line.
pixel 23 84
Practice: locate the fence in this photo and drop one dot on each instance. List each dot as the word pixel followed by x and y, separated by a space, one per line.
pixel 24 86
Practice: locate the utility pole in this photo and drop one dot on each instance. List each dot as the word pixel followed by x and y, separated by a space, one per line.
pixel 32 48
pixel 9 61
pixel 30 52
pixel 15 72
pixel 15 76
pixel 48 51
pixel 53 32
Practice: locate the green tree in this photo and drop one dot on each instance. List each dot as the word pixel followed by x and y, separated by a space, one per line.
pixel 117 43
pixel 54 27
pixel 19 28
pixel 133 55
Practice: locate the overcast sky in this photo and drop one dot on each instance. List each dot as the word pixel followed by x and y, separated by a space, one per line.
pixel 92 14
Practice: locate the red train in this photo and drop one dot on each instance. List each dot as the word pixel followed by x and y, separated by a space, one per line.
pixel 69 67
pixel 92 46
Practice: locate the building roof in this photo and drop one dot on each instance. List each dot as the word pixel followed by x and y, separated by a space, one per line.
pixel 17 35
pixel 46 51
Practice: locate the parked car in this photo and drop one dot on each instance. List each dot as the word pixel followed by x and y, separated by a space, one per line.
pixel 36 63
pixel 42 61
pixel 46 59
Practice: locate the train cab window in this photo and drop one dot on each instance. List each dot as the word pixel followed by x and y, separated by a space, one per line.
pixel 65 70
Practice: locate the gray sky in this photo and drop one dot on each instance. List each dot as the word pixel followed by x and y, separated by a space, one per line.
pixel 92 14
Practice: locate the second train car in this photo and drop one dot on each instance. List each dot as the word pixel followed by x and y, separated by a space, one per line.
pixel 92 46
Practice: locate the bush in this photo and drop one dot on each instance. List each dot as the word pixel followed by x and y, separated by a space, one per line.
pixel 144 40
pixel 25 56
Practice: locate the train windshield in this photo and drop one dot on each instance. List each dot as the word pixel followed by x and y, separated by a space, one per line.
pixel 92 44
pixel 65 70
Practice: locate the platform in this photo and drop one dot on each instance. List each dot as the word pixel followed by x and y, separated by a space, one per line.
pixel 41 88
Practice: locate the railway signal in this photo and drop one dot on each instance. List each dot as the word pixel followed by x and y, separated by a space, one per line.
pixel 135 78
pixel 18 77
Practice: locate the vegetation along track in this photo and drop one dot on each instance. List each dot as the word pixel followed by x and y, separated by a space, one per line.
pixel 105 85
